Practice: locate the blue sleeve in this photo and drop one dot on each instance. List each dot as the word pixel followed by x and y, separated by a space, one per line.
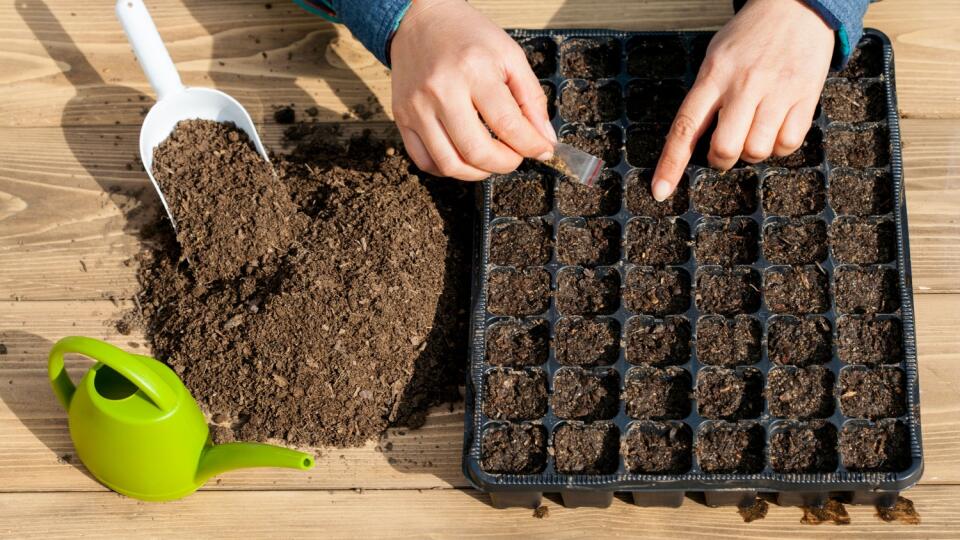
pixel 372 22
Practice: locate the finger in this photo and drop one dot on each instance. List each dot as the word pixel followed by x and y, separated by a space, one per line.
pixel 418 152
pixel 691 121
pixel 795 127
pixel 529 96
pixel 765 128
pixel 442 152
pixel 502 113
pixel 473 141
pixel 733 124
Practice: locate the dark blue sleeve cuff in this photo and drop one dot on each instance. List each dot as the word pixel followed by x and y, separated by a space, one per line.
pixel 372 22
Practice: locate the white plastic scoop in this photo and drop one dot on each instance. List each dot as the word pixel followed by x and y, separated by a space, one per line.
pixel 175 101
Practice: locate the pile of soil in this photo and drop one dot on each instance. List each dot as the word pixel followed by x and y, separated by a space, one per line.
pixel 657 448
pixel 859 147
pixel 657 292
pixel 795 241
pixel 603 142
pixel 868 340
pixel 866 290
pixel 645 143
pixel 902 511
pixel 514 448
pixel 657 241
pixel 863 241
pixel 591 102
pixel 523 193
pixel 728 342
pixel 517 343
pixel 656 57
pixel 590 58
pixel 800 392
pixel 854 101
pixel 861 193
pixel 541 54
pixel 796 290
pixel 654 101
pixel 515 394
pixel 724 447
pixel 832 511
pixel 601 199
pixel 804 448
pixel 726 193
pixel 518 292
pixel 521 243
pixel 588 242
pixel 657 394
pixel 726 394
pixel 728 291
pixel 639 199
pixel 586 342
pixel 331 339
pixel 727 241
pixel 587 292
pixel 884 446
pixel 792 341
pixel 657 343
pixel 585 395
pixel 872 393
pixel 793 193
pixel 586 448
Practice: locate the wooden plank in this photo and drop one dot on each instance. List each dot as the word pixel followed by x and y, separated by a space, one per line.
pixel 35 437
pixel 434 514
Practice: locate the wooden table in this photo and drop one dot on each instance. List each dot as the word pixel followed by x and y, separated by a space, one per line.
pixel 71 102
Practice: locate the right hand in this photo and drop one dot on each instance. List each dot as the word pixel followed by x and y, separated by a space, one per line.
pixel 452 67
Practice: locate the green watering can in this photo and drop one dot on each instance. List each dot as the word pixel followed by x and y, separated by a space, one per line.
pixel 138 430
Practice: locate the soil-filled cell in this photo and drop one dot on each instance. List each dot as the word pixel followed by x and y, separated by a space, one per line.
pixel 603 141
pixel 868 340
pixel 809 447
pixel 518 343
pixel 656 57
pixel 725 447
pixel 726 193
pixel 591 102
pixel 795 241
pixel 640 201
pixel 657 393
pixel 589 58
pixel 865 61
pixel 698 49
pixel 658 448
pixel 600 199
pixel 514 449
pixel 859 147
pixel 657 292
pixel 587 292
pixel 656 242
pixel 654 101
pixel 541 55
pixel 796 290
pixel 658 343
pixel 522 193
pixel 881 447
pixel 727 241
pixel 861 193
pixel 518 292
pixel 800 393
pixel 588 242
pixel 871 289
pixel 808 155
pixel 854 101
pixel 586 342
pixel 793 341
pixel 521 243
pixel 550 91
pixel 728 342
pixel 793 192
pixel 863 241
pixel 586 448
pixel 872 393
pixel 728 291
pixel 512 394
pixel 727 394
pixel 585 395
pixel 645 143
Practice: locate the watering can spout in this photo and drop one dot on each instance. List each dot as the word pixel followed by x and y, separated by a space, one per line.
pixel 221 458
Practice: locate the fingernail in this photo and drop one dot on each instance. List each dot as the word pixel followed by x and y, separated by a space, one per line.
pixel 545 156
pixel 661 190
pixel 548 131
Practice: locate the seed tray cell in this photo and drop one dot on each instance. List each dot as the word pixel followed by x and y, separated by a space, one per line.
pixel 752 333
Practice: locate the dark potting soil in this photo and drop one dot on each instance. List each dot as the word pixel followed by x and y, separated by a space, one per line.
pixel 600 199
pixel 230 208
pixel 661 57
pixel 588 242
pixel 524 194
pixel 804 448
pixel 884 446
pixel 587 342
pixel 868 340
pixel 866 60
pixel 854 101
pixel 654 101
pixel 514 449
pixel 863 240
pixel 541 54
pixel 795 241
pixel 728 342
pixel 603 142
pixel 726 193
pixel 591 102
pixel 756 511
pixel 726 394
pixel 639 199
pixel 586 448
pixel 800 342
pixel 832 511
pixel 727 241
pixel 872 393
pixel 652 393
pixel 587 292
pixel 728 291
pixel 518 292
pixel 550 91
pixel 658 448
pixel 861 193
pixel 808 155
pixel 800 392
pixel 585 395
pixel 658 343
pixel 858 147
pixel 521 243
pixel 657 242
pixel 518 343
pixel 796 290
pixel 645 143
pixel 657 292
pixel 793 193
pixel 590 58
pixel 871 289
pixel 725 447
pixel 515 394
pixel 902 511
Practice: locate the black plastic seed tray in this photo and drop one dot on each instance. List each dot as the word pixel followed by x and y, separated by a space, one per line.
pixel 596 320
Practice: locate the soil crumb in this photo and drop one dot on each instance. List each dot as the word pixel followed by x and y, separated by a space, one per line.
pixel 541 512
pixel 756 511
pixel 902 511
pixel 832 511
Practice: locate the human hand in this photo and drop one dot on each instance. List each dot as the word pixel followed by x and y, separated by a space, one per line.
pixel 449 64
pixel 762 76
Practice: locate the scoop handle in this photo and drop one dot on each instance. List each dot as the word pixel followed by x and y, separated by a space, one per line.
pixel 148 46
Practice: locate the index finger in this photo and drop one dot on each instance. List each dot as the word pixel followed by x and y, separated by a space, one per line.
pixel 691 121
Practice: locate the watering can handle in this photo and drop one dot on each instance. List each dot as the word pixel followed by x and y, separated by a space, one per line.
pixel 129 365
pixel 148 46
